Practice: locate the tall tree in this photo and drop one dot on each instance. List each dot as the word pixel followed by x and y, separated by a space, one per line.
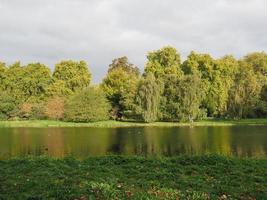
pixel 165 64
pixel 149 97
pixel 246 98
pixel 120 86
pixel 222 80
pixel 264 93
pixel 258 61
pixel 2 75
pixel 216 77
pixel 190 95
pixel 202 65
pixel 164 61
pixel 170 102
pixel 244 94
pixel 14 83
pixel 75 75
pixel 261 109
pixel 27 83
pixel 37 79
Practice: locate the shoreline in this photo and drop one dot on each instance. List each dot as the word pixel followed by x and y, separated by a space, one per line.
pixel 118 124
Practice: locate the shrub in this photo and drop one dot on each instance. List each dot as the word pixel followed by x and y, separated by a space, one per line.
pixel 7 106
pixel 54 108
pixel 87 105
pixel 25 110
pixel 38 111
pixel 30 110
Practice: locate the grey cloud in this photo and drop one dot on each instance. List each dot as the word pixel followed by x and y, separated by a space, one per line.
pixel 99 30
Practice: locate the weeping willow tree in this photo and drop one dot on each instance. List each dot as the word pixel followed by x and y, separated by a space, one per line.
pixel 148 98
pixel 245 93
pixel 191 95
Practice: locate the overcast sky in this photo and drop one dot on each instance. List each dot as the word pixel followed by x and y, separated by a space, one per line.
pixel 99 30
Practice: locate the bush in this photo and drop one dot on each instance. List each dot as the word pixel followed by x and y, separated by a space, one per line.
pixel 8 106
pixel 54 108
pixel 38 111
pixel 30 110
pixel 25 110
pixel 87 106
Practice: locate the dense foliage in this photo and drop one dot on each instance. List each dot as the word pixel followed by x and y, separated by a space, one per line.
pixel 148 98
pixel 74 75
pixel 87 105
pixel 54 108
pixel 7 106
pixel 120 86
pixel 168 90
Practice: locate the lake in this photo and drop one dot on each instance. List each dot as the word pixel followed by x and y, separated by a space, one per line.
pixel 243 141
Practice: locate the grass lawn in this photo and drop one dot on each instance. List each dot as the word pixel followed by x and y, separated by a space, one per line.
pixel 50 123
pixel 121 177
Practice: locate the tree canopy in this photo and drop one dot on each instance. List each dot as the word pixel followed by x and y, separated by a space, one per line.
pixel 75 75
pixel 168 89
pixel 120 86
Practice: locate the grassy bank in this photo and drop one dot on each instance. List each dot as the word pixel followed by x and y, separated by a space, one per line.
pixel 116 177
pixel 50 123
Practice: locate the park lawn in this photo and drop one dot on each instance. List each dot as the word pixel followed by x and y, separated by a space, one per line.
pixel 112 123
pixel 130 177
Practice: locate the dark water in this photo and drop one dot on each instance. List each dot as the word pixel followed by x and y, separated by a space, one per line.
pixel 82 142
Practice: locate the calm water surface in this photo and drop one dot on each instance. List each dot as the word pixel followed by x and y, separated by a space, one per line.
pixel 83 142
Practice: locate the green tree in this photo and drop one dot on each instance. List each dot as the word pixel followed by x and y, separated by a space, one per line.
pixel 165 64
pixel 27 83
pixel 14 83
pixel 190 94
pixel 58 88
pixel 222 80
pixel 164 61
pixel 8 106
pixel 36 80
pixel 258 61
pixel 262 105
pixel 170 102
pixel 245 93
pixel 2 75
pixel 202 65
pixel 75 75
pixel 264 93
pixel 216 77
pixel 87 105
pixel 148 98
pixel 120 86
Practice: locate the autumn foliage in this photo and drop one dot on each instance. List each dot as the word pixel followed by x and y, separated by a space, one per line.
pixel 54 108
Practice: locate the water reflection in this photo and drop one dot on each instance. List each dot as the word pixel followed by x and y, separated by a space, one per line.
pixel 82 142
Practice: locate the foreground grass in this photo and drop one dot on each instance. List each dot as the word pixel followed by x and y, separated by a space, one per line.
pixel 50 123
pixel 120 177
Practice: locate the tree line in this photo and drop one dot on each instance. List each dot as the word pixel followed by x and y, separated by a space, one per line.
pixel 168 90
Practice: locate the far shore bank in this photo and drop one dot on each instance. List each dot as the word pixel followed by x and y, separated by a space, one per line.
pixel 115 124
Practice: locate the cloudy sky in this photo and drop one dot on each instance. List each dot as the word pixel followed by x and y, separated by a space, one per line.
pixel 99 30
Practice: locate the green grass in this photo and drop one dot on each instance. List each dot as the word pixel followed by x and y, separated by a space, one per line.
pixel 122 177
pixel 50 123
